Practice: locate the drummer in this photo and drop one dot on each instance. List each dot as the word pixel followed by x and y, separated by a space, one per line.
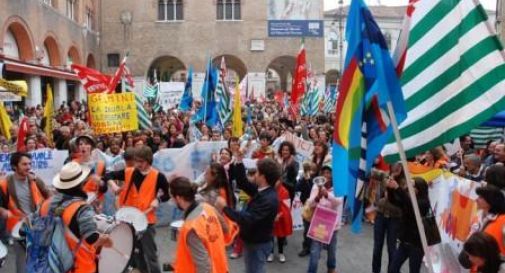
pixel 140 190
pixel 83 236
pixel 94 185
pixel 22 192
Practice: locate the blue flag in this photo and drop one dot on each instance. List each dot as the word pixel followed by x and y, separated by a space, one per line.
pixel 208 112
pixel 187 97
pixel 362 124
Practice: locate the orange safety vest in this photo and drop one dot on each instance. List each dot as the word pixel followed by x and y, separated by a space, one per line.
pixel 85 254
pixel 496 229
pixel 16 213
pixel 140 198
pixel 233 228
pixel 208 228
pixel 90 186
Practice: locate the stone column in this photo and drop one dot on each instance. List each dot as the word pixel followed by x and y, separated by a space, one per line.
pixel 34 91
pixel 81 93
pixel 60 92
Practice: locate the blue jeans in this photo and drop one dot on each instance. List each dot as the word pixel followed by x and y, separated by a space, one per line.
pixel 407 251
pixel 255 257
pixel 315 254
pixel 384 227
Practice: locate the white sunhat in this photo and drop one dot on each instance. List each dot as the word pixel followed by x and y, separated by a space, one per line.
pixel 72 174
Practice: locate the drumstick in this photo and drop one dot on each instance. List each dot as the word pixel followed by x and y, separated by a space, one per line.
pixel 119 252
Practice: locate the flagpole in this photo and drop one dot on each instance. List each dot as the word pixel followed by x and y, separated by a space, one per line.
pixel 489 26
pixel 410 187
pixel 207 74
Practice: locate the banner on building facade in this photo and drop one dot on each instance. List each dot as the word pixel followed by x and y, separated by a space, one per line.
pixel 113 113
pixel 295 18
pixel 46 163
pixel 19 88
pixel 170 94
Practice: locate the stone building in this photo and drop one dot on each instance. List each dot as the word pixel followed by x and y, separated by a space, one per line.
pixel 39 39
pixel 168 36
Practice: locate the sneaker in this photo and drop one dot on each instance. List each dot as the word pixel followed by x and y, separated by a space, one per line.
pixel 282 258
pixel 304 253
pixel 234 255
pixel 270 258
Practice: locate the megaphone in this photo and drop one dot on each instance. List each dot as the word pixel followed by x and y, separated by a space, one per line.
pixel 320 181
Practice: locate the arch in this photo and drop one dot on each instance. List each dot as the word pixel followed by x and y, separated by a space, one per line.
pixel 279 72
pixel 23 36
pixel 332 77
pixel 73 56
pixel 168 68
pixel 53 50
pixel 234 64
pixel 90 61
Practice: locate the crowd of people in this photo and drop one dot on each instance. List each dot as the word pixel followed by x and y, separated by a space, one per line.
pixel 235 211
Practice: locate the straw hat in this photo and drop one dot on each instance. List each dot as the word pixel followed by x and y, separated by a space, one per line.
pixel 71 175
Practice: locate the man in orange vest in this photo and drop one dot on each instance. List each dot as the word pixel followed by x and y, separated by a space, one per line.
pixel 22 193
pixel 201 245
pixel 82 234
pixel 140 190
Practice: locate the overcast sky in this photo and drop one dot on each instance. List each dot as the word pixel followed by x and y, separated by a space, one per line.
pixel 331 4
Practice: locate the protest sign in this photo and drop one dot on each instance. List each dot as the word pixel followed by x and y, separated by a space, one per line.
pixel 46 163
pixel 113 113
pixel 170 94
pixel 189 161
pixel 296 212
pixel 323 224
pixel 302 146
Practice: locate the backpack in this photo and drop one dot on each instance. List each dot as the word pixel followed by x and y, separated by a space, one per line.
pixel 47 250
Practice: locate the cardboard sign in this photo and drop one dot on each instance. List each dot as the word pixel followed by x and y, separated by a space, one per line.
pixel 302 146
pixel 113 113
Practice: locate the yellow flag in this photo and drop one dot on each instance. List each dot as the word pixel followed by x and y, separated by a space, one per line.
pixel 237 126
pixel 5 122
pixel 48 114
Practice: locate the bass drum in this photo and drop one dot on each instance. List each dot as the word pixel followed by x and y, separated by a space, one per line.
pixel 115 259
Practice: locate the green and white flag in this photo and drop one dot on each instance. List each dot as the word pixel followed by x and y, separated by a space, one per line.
pixel 453 76
pixel 223 95
pixel 481 135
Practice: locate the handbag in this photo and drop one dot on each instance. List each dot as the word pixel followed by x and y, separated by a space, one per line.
pixel 307 212
pixel 431 228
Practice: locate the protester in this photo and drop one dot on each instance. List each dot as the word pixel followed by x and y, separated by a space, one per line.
pixel 324 196
pixel 388 218
pixel 283 225
pixel 495 175
pixel 265 150
pixel 484 254
pixel 289 165
pixel 21 194
pixel 472 168
pixel 82 235
pixel 201 244
pixel 140 190
pixel 410 242
pixel 320 155
pixel 304 187
pixel 257 220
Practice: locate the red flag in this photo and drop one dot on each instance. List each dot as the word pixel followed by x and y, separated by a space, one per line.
pixel 117 76
pixel 299 81
pixel 92 80
pixel 22 132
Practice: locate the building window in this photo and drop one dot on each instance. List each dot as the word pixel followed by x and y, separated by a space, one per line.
pixel 332 47
pixel 113 60
pixel 89 19
pixel 170 10
pixel 228 10
pixel 71 9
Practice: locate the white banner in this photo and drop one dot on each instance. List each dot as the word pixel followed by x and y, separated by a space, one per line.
pixel 46 163
pixel 170 94
pixel 303 147
pixel 189 161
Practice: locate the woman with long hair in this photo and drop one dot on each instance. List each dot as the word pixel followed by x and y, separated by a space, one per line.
pixel 289 166
pixel 410 243
pixel 320 155
pixel 216 184
pixel 483 253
